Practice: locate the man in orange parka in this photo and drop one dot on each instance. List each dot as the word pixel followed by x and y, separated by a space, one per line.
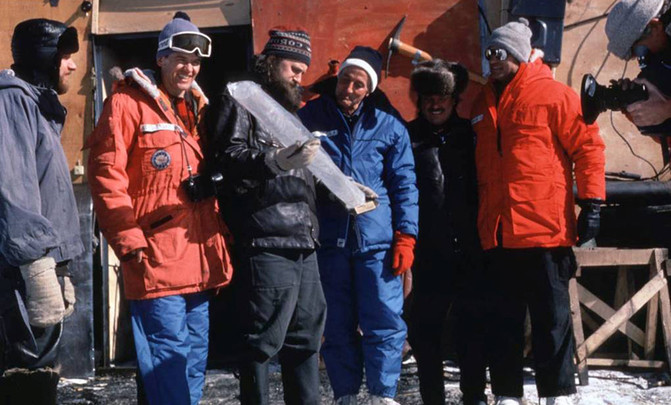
pixel 531 139
pixel 151 206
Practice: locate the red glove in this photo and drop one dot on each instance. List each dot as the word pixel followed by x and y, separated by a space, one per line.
pixel 403 253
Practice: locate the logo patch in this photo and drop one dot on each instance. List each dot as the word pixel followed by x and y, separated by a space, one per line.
pixel 160 159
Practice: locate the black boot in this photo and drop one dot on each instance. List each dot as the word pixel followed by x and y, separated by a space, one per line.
pixel 21 386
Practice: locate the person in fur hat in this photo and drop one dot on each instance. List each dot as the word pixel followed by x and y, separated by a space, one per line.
pixel 156 213
pixel 447 256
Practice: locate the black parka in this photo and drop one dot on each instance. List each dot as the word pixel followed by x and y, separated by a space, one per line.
pixel 448 243
pixel 262 209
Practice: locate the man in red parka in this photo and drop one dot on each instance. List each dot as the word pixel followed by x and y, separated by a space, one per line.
pixel 157 216
pixel 531 140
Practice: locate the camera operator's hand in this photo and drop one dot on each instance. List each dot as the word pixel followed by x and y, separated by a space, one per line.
pixel 655 110
pixel 625 84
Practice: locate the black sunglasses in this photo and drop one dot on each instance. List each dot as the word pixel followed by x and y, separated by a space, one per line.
pixel 499 54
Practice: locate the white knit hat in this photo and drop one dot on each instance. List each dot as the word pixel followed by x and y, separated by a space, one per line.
pixel 626 22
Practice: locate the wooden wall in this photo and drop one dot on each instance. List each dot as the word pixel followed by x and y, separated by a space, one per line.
pixel 447 29
pixel 78 100
pixel 584 51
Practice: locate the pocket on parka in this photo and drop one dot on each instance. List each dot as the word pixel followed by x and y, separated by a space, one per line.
pixel 173 256
pixel 533 208
pixel 152 142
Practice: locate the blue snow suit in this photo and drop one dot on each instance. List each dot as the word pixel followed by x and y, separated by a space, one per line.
pixel 355 255
pixel 38 212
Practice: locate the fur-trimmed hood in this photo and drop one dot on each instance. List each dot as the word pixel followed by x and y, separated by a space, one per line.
pixel 146 80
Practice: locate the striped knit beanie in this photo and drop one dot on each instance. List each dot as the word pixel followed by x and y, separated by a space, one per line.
pixel 289 44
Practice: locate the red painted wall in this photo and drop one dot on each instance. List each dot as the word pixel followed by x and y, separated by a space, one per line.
pixel 445 28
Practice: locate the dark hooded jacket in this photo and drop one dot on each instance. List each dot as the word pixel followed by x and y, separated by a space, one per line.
pixel 448 201
pixel 38 212
pixel 262 209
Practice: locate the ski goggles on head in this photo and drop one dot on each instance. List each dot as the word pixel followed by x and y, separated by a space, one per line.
pixel 188 42
pixel 500 54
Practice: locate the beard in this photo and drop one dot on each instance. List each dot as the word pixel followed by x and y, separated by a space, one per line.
pixel 289 95
pixel 62 87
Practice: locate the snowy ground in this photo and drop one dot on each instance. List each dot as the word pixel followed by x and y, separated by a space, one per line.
pixel 606 387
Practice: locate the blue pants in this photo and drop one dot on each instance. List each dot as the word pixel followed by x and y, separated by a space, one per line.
pixel 362 292
pixel 171 338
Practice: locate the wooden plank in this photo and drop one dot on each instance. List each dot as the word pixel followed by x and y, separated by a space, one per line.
pixel 623 314
pixel 132 16
pixel 651 328
pixel 665 312
pixel 621 287
pixel 651 317
pixel 623 291
pixel 625 363
pixel 594 303
pixel 591 257
pixel 578 333
pixel 588 320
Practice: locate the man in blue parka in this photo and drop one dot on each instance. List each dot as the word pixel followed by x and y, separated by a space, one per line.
pixel 362 256
pixel 39 223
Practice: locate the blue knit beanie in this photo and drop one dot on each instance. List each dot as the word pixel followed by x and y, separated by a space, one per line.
pixel 180 23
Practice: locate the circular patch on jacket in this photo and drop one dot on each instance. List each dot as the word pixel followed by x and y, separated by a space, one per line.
pixel 160 159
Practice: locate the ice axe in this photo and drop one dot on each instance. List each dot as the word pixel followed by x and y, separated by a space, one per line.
pixel 397 46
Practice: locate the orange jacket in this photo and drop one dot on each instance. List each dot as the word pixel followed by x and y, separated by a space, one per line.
pixel 135 168
pixel 526 148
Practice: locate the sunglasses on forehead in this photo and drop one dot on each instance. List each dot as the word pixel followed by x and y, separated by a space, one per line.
pixel 188 42
pixel 499 54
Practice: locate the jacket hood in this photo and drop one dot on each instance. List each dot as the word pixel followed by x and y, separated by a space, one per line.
pixel 45 98
pixel 8 79
pixel 146 80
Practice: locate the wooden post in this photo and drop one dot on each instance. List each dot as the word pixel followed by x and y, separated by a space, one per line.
pixel 665 312
pixel 656 266
pixel 623 314
pixel 578 333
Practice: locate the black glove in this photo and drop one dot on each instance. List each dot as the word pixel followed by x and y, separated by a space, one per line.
pixel 589 219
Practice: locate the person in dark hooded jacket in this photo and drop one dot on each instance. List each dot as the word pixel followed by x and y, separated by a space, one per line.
pixel 39 223
pixel 448 260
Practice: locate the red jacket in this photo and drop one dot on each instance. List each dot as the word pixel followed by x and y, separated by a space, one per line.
pixel 136 164
pixel 528 147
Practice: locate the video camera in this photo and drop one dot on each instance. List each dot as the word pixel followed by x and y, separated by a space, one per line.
pixel 596 98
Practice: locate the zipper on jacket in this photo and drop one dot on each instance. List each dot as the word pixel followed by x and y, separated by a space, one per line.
pixel 350 134
pixel 498 141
